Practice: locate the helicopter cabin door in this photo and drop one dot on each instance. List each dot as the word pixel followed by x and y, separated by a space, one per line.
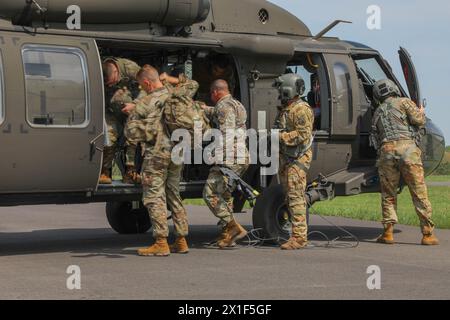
pixel 51 120
pixel 344 95
pixel 409 71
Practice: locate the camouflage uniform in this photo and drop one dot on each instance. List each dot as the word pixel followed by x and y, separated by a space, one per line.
pixel 228 114
pixel 296 125
pixel 160 176
pixel 399 156
pixel 116 96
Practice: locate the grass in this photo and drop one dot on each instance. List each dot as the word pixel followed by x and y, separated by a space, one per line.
pixel 438 178
pixel 368 207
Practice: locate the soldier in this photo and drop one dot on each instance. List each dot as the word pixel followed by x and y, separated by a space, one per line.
pixel 395 127
pixel 120 88
pixel 295 121
pixel 229 116
pixel 160 176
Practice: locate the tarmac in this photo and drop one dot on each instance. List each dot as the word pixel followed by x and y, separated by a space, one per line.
pixel 39 244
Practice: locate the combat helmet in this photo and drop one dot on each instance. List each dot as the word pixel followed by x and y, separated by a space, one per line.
pixel 290 86
pixel 383 89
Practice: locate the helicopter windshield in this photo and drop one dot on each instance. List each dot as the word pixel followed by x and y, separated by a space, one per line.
pixel 370 70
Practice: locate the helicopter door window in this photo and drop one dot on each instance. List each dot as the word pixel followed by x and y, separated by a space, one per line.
pixel 56 86
pixel 369 71
pixel 2 102
pixel 344 98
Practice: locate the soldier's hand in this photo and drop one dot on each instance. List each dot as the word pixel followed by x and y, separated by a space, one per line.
pixel 128 108
pixel 421 109
pixel 163 76
pixel 284 135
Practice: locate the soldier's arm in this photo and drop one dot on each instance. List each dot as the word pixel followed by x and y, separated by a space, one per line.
pixel 415 115
pixel 182 85
pixel 303 129
pixel 373 138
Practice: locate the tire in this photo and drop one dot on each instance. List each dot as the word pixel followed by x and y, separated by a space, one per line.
pixel 125 220
pixel 271 214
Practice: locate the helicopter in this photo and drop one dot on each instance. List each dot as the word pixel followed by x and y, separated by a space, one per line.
pixel 52 107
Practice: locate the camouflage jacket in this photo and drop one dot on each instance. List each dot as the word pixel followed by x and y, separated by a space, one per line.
pixel 150 107
pixel 396 119
pixel 296 122
pixel 229 115
pixel 126 90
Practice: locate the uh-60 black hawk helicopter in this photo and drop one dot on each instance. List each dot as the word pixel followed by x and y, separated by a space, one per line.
pixel 52 103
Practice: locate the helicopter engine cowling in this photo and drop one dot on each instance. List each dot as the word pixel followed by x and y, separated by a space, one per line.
pixel 164 12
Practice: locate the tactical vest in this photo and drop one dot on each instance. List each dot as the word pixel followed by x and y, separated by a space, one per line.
pixel 392 124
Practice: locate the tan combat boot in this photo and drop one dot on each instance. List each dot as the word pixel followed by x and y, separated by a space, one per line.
pixel 131 176
pixel 388 236
pixel 294 243
pixel 159 249
pixel 223 237
pixel 233 232
pixel 179 246
pixel 430 240
pixel 105 178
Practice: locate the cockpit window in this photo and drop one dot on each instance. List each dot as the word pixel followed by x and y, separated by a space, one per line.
pixel 2 97
pixel 56 86
pixel 370 70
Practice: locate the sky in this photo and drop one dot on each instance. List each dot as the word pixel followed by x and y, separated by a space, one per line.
pixel 422 27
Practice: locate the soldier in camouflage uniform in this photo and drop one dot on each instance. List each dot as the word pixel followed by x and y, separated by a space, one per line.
pixel 229 116
pixel 295 121
pixel 395 127
pixel 121 87
pixel 160 176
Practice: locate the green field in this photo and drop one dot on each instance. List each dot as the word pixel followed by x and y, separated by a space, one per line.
pixel 368 207
pixel 438 179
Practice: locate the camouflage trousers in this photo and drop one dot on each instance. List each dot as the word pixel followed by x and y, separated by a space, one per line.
pixel 293 179
pixel 402 159
pixel 161 190
pixel 218 195
pixel 115 133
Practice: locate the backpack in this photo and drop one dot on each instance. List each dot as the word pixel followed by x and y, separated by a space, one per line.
pixel 181 112
pixel 143 130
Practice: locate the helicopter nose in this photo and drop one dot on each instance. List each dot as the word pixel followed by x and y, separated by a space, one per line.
pixel 433 147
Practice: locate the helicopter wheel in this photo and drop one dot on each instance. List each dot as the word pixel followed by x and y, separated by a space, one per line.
pixel 125 220
pixel 272 215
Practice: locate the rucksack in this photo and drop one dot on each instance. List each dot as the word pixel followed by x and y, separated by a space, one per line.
pixel 143 130
pixel 182 112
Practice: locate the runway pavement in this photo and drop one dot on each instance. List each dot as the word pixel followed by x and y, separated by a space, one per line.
pixel 39 243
